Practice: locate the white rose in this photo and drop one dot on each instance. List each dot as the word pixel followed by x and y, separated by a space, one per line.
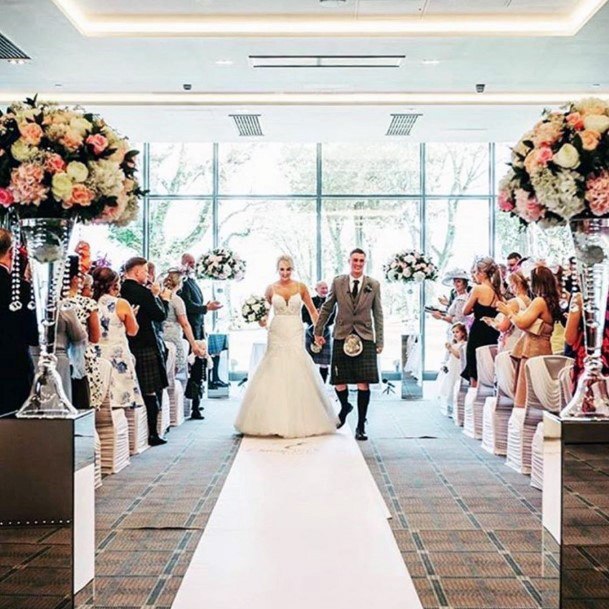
pixel 80 124
pixel 77 171
pixel 61 186
pixel 597 122
pixel 22 151
pixel 567 157
pixel 419 276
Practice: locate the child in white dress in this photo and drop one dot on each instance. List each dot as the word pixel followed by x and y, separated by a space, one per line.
pixel 450 373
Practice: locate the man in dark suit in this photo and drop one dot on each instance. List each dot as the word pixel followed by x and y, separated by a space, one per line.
pixel 146 344
pixel 18 331
pixel 196 309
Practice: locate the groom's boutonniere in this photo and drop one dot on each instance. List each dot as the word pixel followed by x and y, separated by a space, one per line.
pixel 367 289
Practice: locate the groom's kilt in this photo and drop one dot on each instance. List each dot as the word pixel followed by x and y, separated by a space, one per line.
pixel 351 370
pixel 324 357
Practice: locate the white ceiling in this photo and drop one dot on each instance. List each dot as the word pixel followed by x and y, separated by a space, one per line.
pixel 62 56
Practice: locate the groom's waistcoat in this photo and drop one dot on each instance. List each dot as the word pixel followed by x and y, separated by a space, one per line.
pixel 362 315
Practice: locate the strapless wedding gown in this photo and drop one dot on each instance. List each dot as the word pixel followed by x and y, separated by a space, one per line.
pixel 286 396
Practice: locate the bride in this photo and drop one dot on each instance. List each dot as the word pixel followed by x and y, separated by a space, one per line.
pixel 286 396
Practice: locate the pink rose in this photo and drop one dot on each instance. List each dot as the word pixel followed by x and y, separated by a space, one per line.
pixel 527 206
pixel 81 195
pixel 71 140
pixel 98 142
pixel 54 163
pixel 6 197
pixel 31 133
pixel 590 139
pixel 575 120
pixel 538 158
pixel 547 133
pixel 504 202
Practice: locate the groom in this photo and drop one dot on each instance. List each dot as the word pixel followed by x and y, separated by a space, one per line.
pixel 359 310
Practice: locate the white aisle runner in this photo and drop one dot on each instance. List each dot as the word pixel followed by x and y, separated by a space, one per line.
pixel 299 524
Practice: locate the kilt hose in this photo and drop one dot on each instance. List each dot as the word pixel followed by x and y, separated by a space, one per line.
pixel 347 370
pixel 150 369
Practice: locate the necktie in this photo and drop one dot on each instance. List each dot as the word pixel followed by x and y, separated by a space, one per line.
pixel 355 289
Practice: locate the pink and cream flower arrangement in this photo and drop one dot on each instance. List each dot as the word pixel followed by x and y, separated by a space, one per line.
pixel 560 169
pixel 59 162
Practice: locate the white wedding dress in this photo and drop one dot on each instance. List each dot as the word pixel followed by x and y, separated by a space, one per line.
pixel 286 396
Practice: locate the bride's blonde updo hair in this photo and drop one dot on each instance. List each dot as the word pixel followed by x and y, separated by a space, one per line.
pixel 285 258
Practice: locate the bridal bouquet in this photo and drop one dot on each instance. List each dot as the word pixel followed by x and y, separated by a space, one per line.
pixel 410 265
pixel 59 162
pixel 255 308
pixel 560 168
pixel 222 264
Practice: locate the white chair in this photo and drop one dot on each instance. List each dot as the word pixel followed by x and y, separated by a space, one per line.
pixel 164 418
pixel 476 396
pixel 461 389
pixel 566 386
pixel 138 429
pixel 542 393
pixel 498 408
pixel 112 427
pixel 98 472
pixel 537 458
pixel 176 404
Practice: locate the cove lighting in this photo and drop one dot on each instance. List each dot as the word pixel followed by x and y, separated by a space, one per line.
pixel 170 25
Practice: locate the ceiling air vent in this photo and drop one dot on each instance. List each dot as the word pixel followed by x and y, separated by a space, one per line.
pixel 9 51
pixel 326 61
pixel 248 125
pixel 402 124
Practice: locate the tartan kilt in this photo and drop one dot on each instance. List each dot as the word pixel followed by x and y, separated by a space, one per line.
pixel 324 357
pixel 216 343
pixel 150 370
pixel 351 370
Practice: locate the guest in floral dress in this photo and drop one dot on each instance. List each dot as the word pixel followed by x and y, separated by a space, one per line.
pixel 79 296
pixel 176 326
pixel 117 321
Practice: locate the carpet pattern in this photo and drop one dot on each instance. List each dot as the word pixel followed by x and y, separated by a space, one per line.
pixel 468 527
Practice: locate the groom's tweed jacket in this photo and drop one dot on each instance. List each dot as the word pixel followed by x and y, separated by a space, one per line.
pixel 362 316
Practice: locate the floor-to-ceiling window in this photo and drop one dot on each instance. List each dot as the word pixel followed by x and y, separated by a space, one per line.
pixel 316 202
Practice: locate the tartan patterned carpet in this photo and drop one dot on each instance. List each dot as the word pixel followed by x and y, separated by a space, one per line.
pixel 468 527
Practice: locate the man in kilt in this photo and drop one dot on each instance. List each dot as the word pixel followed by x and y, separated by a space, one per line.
pixel 323 357
pixel 358 337
pixel 146 344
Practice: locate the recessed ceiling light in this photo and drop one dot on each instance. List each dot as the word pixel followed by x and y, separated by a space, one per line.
pixel 430 62
pixel 331 3
pixel 58 84
pixel 224 62
pixel 596 85
pixel 15 61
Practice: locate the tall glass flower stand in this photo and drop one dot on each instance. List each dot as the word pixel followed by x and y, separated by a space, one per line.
pixel 412 346
pixel 47 247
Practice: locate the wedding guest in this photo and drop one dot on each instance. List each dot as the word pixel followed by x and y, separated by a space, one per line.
pixel 449 374
pixel 574 338
pixel 117 321
pixel 458 278
pixel 176 326
pixel 86 389
pixel 482 302
pixel 323 357
pixel 146 344
pixel 513 261
pixel 537 323
pixel 509 333
pixel 196 310
pixel 18 331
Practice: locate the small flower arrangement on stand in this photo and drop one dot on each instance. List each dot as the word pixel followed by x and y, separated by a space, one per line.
pixel 58 166
pixel 408 266
pixel 221 264
pixel 559 174
pixel 255 309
